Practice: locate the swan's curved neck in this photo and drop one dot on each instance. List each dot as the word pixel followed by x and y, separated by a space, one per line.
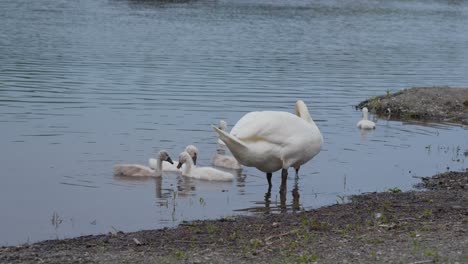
pixel 302 111
pixel 365 115
pixel 158 165
pixel 188 166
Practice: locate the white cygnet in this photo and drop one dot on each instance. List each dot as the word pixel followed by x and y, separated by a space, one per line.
pixel 365 123
pixel 202 173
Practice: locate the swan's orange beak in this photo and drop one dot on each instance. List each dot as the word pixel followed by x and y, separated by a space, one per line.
pixel 179 165
pixel 169 160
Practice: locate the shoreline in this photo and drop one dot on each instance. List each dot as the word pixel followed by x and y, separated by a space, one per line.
pixel 393 226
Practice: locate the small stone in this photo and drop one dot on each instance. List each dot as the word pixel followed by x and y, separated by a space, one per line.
pixel 137 242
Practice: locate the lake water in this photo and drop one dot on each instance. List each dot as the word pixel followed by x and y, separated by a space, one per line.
pixel 91 83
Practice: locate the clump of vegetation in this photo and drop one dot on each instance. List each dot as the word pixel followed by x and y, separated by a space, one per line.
pixel 395 190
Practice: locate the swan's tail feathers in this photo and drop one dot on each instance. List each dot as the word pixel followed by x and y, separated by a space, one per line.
pixel 232 143
pixel 302 111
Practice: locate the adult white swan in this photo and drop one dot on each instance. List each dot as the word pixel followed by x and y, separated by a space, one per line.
pixel 365 123
pixel 273 140
pixel 137 170
pixel 202 173
pixel 190 149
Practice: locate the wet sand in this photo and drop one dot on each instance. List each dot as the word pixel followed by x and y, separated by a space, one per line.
pixel 390 227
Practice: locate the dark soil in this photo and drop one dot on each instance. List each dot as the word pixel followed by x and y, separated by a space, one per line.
pixel 446 181
pixel 423 103
pixel 391 227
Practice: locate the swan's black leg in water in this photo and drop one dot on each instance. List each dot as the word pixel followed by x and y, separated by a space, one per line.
pixel 284 176
pixel 269 174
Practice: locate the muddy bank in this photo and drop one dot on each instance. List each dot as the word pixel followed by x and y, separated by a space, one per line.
pixel 443 104
pixel 394 226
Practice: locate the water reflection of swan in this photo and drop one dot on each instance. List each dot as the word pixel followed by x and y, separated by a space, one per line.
pixel 273 140
pixel 365 123
pixel 202 173
pixel 187 186
pixel 364 133
pixel 136 170
pixel 295 195
pixel 190 149
pixel 282 206
pixel 162 195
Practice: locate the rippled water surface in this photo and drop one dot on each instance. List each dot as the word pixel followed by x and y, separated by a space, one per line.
pixel 87 84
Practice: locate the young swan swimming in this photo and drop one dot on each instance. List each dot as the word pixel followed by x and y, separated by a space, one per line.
pixel 365 123
pixel 223 126
pixel 136 170
pixel 222 160
pixel 191 149
pixel 202 173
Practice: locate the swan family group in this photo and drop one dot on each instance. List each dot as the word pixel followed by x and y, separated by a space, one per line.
pixel 267 140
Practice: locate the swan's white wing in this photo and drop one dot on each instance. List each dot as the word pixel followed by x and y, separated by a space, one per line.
pixel 366 124
pixel 170 167
pixel 211 174
pixel 133 170
pixel 272 126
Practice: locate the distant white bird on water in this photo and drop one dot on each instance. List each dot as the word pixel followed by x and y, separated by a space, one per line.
pixel 137 170
pixel 365 123
pixel 273 140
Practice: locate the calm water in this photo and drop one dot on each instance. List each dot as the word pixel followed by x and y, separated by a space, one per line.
pixel 87 84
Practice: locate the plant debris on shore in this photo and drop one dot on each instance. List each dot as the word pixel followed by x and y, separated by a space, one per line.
pixel 390 227
pixel 444 104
